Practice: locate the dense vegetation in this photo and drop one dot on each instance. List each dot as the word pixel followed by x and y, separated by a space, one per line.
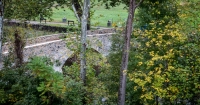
pixel 163 68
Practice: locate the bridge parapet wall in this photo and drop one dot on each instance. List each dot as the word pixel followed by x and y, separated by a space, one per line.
pixel 43 39
pixel 50 49
pixel 46 38
pixel 101 31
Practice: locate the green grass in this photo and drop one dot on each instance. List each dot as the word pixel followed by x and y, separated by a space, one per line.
pixel 59 14
pixel 100 17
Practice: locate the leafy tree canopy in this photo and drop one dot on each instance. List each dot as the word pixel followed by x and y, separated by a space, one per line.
pixel 30 9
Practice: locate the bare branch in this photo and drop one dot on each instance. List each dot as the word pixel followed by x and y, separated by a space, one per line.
pixel 138 3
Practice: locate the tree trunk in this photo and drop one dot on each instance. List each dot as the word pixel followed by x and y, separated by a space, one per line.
pixel 83 39
pixel 83 42
pixel 19 46
pixel 1 27
pixel 126 48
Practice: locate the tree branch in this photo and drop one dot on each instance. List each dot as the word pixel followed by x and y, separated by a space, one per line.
pixel 138 3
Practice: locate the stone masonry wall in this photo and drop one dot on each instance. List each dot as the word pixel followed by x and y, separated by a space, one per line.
pixel 47 38
pixel 55 48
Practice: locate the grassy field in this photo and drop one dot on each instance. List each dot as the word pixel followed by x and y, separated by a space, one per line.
pixel 100 17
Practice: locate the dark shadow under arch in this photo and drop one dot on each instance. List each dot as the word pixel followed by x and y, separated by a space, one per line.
pixel 71 60
pixel 74 58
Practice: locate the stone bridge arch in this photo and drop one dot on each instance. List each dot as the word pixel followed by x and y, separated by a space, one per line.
pixel 69 58
pixel 75 57
pixel 100 43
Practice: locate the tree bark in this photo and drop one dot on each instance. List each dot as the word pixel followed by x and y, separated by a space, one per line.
pixel 84 19
pixel 126 48
pixel 19 46
pixel 1 27
pixel 83 40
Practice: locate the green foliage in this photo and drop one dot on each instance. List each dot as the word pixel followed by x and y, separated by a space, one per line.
pixel 74 94
pixel 30 9
pixel 25 10
pixel 157 10
pixel 111 76
pixel 189 15
pixel 14 36
pixel 94 90
pixel 163 67
pixel 34 83
pixel 167 68
pixel 37 83
pixel 52 82
pixel 10 31
pixel 18 87
pixel 163 64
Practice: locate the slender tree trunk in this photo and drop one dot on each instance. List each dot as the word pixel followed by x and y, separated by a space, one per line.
pixel 83 42
pixel 126 48
pixel 83 39
pixel 19 46
pixel 1 27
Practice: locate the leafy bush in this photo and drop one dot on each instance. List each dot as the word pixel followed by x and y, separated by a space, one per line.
pixel 32 84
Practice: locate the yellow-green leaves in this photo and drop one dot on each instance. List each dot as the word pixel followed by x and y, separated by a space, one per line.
pixel 164 63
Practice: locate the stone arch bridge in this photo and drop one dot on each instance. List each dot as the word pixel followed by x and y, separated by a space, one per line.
pixel 54 47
